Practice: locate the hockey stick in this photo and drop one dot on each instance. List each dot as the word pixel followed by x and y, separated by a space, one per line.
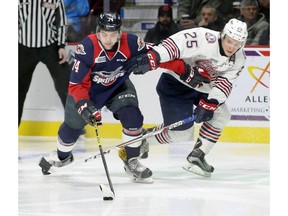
pixel 111 193
pixel 152 133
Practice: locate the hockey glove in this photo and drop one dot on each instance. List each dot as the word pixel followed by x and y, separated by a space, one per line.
pixel 205 110
pixel 88 112
pixel 195 76
pixel 143 63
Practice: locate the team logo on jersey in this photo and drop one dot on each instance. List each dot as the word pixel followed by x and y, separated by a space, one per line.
pixel 141 43
pixel 80 49
pixel 208 66
pixel 107 78
pixel 211 38
pixel 100 59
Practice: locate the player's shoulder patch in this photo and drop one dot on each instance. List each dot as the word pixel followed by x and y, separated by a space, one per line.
pixel 141 44
pixel 80 49
pixel 210 37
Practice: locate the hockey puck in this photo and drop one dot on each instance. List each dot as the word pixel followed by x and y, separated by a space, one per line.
pixel 107 198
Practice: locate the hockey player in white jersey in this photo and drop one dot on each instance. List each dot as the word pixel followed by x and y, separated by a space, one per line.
pixel 219 54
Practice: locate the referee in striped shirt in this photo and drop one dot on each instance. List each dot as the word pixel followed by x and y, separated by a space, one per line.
pixel 42 38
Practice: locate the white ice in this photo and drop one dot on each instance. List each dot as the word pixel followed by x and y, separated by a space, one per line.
pixel 239 185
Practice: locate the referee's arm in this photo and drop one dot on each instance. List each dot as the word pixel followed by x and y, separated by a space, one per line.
pixel 61 23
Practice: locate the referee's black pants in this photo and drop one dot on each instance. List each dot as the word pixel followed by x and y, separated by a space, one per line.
pixel 28 59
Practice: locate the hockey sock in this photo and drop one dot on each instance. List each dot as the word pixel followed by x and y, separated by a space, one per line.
pixel 132 152
pixel 62 155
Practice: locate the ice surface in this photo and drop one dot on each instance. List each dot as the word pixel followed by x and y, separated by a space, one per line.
pixel 239 185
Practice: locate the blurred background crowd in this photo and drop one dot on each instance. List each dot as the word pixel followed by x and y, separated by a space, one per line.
pixel 155 20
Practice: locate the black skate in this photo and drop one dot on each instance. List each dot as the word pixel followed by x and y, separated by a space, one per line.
pixel 197 163
pixel 144 149
pixel 54 161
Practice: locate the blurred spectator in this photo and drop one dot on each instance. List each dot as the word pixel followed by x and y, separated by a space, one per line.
pixel 164 27
pixel 75 9
pixel 230 11
pixel 97 7
pixel 264 7
pixel 265 37
pixel 189 11
pixel 255 21
pixel 210 19
pixel 186 22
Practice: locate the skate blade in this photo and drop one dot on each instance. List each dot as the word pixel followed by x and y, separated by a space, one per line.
pixel 142 180
pixel 196 170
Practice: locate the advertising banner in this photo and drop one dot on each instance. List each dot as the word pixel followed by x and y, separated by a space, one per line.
pixel 250 98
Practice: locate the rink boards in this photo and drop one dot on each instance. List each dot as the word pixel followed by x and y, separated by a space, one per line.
pixel 249 104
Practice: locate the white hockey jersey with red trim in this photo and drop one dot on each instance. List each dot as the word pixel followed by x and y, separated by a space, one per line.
pixel 201 47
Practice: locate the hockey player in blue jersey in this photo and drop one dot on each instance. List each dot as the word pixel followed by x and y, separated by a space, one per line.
pixel 99 79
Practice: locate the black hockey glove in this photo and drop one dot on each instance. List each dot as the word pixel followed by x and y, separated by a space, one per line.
pixel 88 112
pixel 205 110
pixel 143 63
pixel 195 76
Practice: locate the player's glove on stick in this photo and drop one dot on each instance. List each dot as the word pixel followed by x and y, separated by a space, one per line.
pixel 205 110
pixel 195 76
pixel 143 63
pixel 88 112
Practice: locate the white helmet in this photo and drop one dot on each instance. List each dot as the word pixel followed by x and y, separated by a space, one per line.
pixel 235 29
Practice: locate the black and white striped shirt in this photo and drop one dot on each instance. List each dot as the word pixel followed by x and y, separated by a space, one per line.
pixel 41 23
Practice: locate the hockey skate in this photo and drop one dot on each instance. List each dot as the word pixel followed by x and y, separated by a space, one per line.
pixel 137 171
pixel 144 149
pixel 54 161
pixel 197 163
